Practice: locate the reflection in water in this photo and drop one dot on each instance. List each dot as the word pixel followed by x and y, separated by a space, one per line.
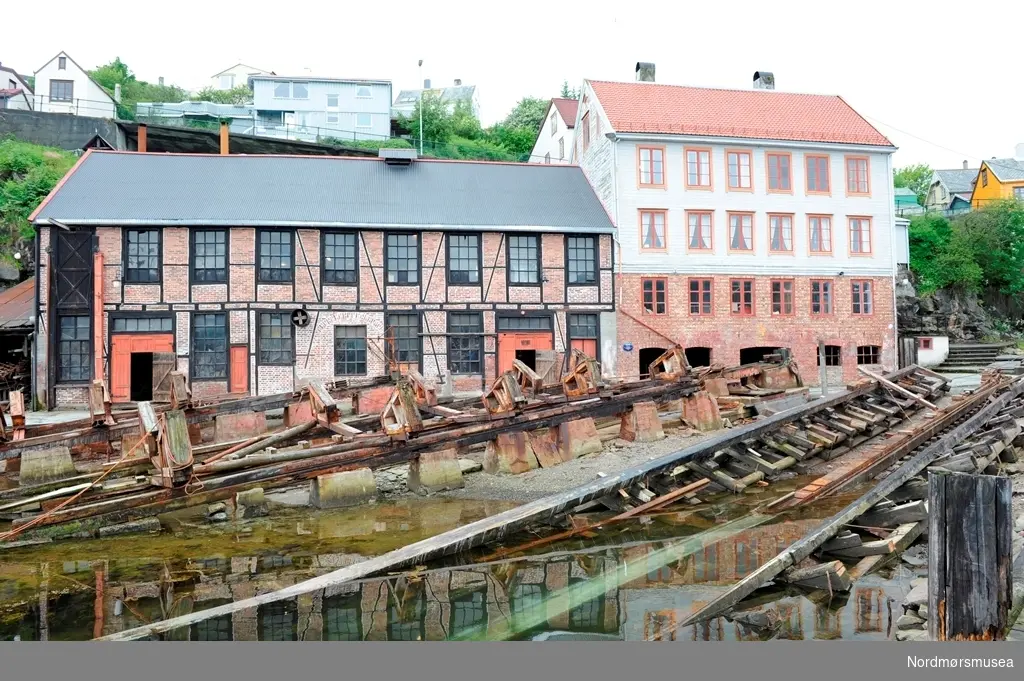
pixel 624 585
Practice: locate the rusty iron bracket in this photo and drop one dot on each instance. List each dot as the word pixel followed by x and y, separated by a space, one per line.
pixel 671 365
pixel 401 416
pixel 583 377
pixel 504 395
pixel 529 382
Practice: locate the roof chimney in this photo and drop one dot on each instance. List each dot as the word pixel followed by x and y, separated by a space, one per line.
pixel 764 80
pixel 645 71
pixel 397 157
pixel 225 139
pixel 458 82
pixel 965 164
pixel 426 83
pixel 160 81
pixel 142 138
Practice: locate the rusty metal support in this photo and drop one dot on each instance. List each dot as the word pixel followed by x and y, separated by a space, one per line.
pixel 671 365
pixel 529 382
pixel 583 377
pixel 504 395
pixel 401 416
pixel 425 393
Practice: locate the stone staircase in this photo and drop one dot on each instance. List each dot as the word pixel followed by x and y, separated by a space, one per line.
pixel 970 358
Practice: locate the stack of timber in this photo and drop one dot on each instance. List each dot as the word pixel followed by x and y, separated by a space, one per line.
pixel 738 389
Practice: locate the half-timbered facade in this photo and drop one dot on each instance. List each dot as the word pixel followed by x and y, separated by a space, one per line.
pixel 150 262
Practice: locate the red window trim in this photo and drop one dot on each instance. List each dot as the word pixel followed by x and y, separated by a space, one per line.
pixel 664 167
pixel 710 186
pixel 654 295
pixel 792 297
pixel 867 174
pixel 750 155
pixel 753 232
pixel 828 175
pixel 711 236
pixel 792 235
pixel 700 293
pixel 768 174
pixel 832 297
pixel 925 343
pixel 871 235
pixel 831 234
pixel 753 298
pixel 640 221
pixel 862 282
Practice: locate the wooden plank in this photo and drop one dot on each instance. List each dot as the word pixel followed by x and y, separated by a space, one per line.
pixel 903 536
pixel 844 540
pixel 880 547
pixel 831 576
pixel 898 388
pixel 910 512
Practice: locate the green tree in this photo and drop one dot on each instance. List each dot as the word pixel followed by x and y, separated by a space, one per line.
pixel 114 73
pixel 994 236
pixel 237 95
pixel 465 124
pixel 438 126
pixel 527 114
pixel 133 90
pixel 567 92
pixel 917 178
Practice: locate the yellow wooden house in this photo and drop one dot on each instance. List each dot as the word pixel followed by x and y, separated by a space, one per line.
pixel 998 179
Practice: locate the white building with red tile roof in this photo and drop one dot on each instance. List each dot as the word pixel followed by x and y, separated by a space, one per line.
pixel 747 220
pixel 554 139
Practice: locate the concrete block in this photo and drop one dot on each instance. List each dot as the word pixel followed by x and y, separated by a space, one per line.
pixel 510 453
pixel 578 438
pixel 719 387
pixel 546 447
pixel 641 423
pixel 700 410
pixel 435 471
pixel 229 427
pixel 46 465
pixel 144 525
pixel 300 412
pixel 347 488
pixel 251 503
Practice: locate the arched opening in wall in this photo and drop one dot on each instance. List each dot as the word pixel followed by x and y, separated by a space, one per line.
pixel 756 353
pixel 698 356
pixel 648 355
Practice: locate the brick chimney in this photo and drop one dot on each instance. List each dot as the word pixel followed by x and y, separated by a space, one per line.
pixel 645 72
pixel 225 141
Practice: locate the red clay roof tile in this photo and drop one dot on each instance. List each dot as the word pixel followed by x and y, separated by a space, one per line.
pixel 567 110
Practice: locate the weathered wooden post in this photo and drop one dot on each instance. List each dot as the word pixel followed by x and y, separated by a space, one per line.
pixel 970 535
pixel 822 369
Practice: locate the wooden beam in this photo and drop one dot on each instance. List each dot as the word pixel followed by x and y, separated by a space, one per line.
pixel 898 388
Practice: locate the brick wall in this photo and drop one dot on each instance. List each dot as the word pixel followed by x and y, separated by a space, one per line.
pixel 726 334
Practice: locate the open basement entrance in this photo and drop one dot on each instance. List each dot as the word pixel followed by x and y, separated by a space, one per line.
pixel 756 353
pixel 142 376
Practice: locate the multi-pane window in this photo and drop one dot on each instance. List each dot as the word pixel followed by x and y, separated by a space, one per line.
pixel 860 235
pixel 652 230
pixel 738 163
pixel 857 175
pixel 340 258
pixel 741 231
pixel 780 231
pixel 833 356
pixel 209 346
pixel 819 229
pixel 524 259
pixel 332 101
pixel 868 354
pixel 275 254
pixel 861 296
pixel 403 258
pixel 583 333
pixel 277 621
pixel 701 301
pixel 698 168
pixel 143 256
pixel 465 344
pixel 62 90
pixel 142 324
pixel 554 122
pixel 699 228
pixel 821 296
pixel 209 256
pixel 652 166
pixel 782 297
pixel 73 362
pixel 818 175
pixel 519 323
pixel 984 177
pixel 742 296
pixel 275 339
pixel 469 614
pixel 561 148
pixel 463 259
pixel 349 350
pixel 342 618
pixel 405 617
pixel 213 629
pixel 1018 193
pixel 582 257
pixel 527 605
pixel 404 337
pixel 779 176
pixel 655 295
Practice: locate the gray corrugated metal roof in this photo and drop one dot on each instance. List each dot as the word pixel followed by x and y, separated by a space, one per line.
pixel 959 180
pixel 119 188
pixel 1006 169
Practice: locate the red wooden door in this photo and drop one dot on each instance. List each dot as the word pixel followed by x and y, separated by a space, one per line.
pixel 238 370
pixel 509 343
pixel 587 346
pixel 121 348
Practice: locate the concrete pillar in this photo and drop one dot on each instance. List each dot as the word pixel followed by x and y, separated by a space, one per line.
pixel 347 488
pixel 229 427
pixel 435 471
pixel 46 465
pixel 510 453
pixel 641 423
pixel 578 438
pixel 251 503
pixel 700 410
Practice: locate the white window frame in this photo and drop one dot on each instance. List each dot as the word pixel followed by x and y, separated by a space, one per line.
pixel 287 85
pixel 337 98
pixel 369 118
pixel 360 89
pixel 305 85
pixel 227 81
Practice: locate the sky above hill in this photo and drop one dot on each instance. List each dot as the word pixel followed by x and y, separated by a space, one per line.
pixel 943 85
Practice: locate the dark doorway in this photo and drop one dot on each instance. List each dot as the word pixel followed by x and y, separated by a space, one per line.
pixel 698 356
pixel 755 354
pixel 527 357
pixel 141 377
pixel 648 355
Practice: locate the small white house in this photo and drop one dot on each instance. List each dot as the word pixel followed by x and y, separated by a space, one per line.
pixel 15 92
pixel 554 140
pixel 932 350
pixel 236 76
pixel 62 86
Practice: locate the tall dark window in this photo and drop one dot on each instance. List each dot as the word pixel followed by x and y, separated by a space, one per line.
pixel 833 356
pixel 582 256
pixel 405 617
pixel 701 297
pixel 278 620
pixel 868 354
pixel 469 613
pixel 465 353
pixel 583 333
pixel 340 258
pixel 143 256
pixel 403 258
pixel 209 346
pixel 524 260
pixel 73 349
pixel 209 256
pixel 349 350
pixel 343 618
pixel 655 295
pixel 404 332
pixel 463 259
pixel 275 254
pixel 276 342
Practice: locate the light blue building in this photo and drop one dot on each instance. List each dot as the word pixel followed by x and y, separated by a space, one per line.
pixel 309 108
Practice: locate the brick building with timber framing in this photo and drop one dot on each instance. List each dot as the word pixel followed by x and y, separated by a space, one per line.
pixel 149 262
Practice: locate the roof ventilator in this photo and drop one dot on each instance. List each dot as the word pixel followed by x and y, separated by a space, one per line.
pixel 398 157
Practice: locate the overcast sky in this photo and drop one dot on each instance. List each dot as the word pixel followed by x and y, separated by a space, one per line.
pixel 943 83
